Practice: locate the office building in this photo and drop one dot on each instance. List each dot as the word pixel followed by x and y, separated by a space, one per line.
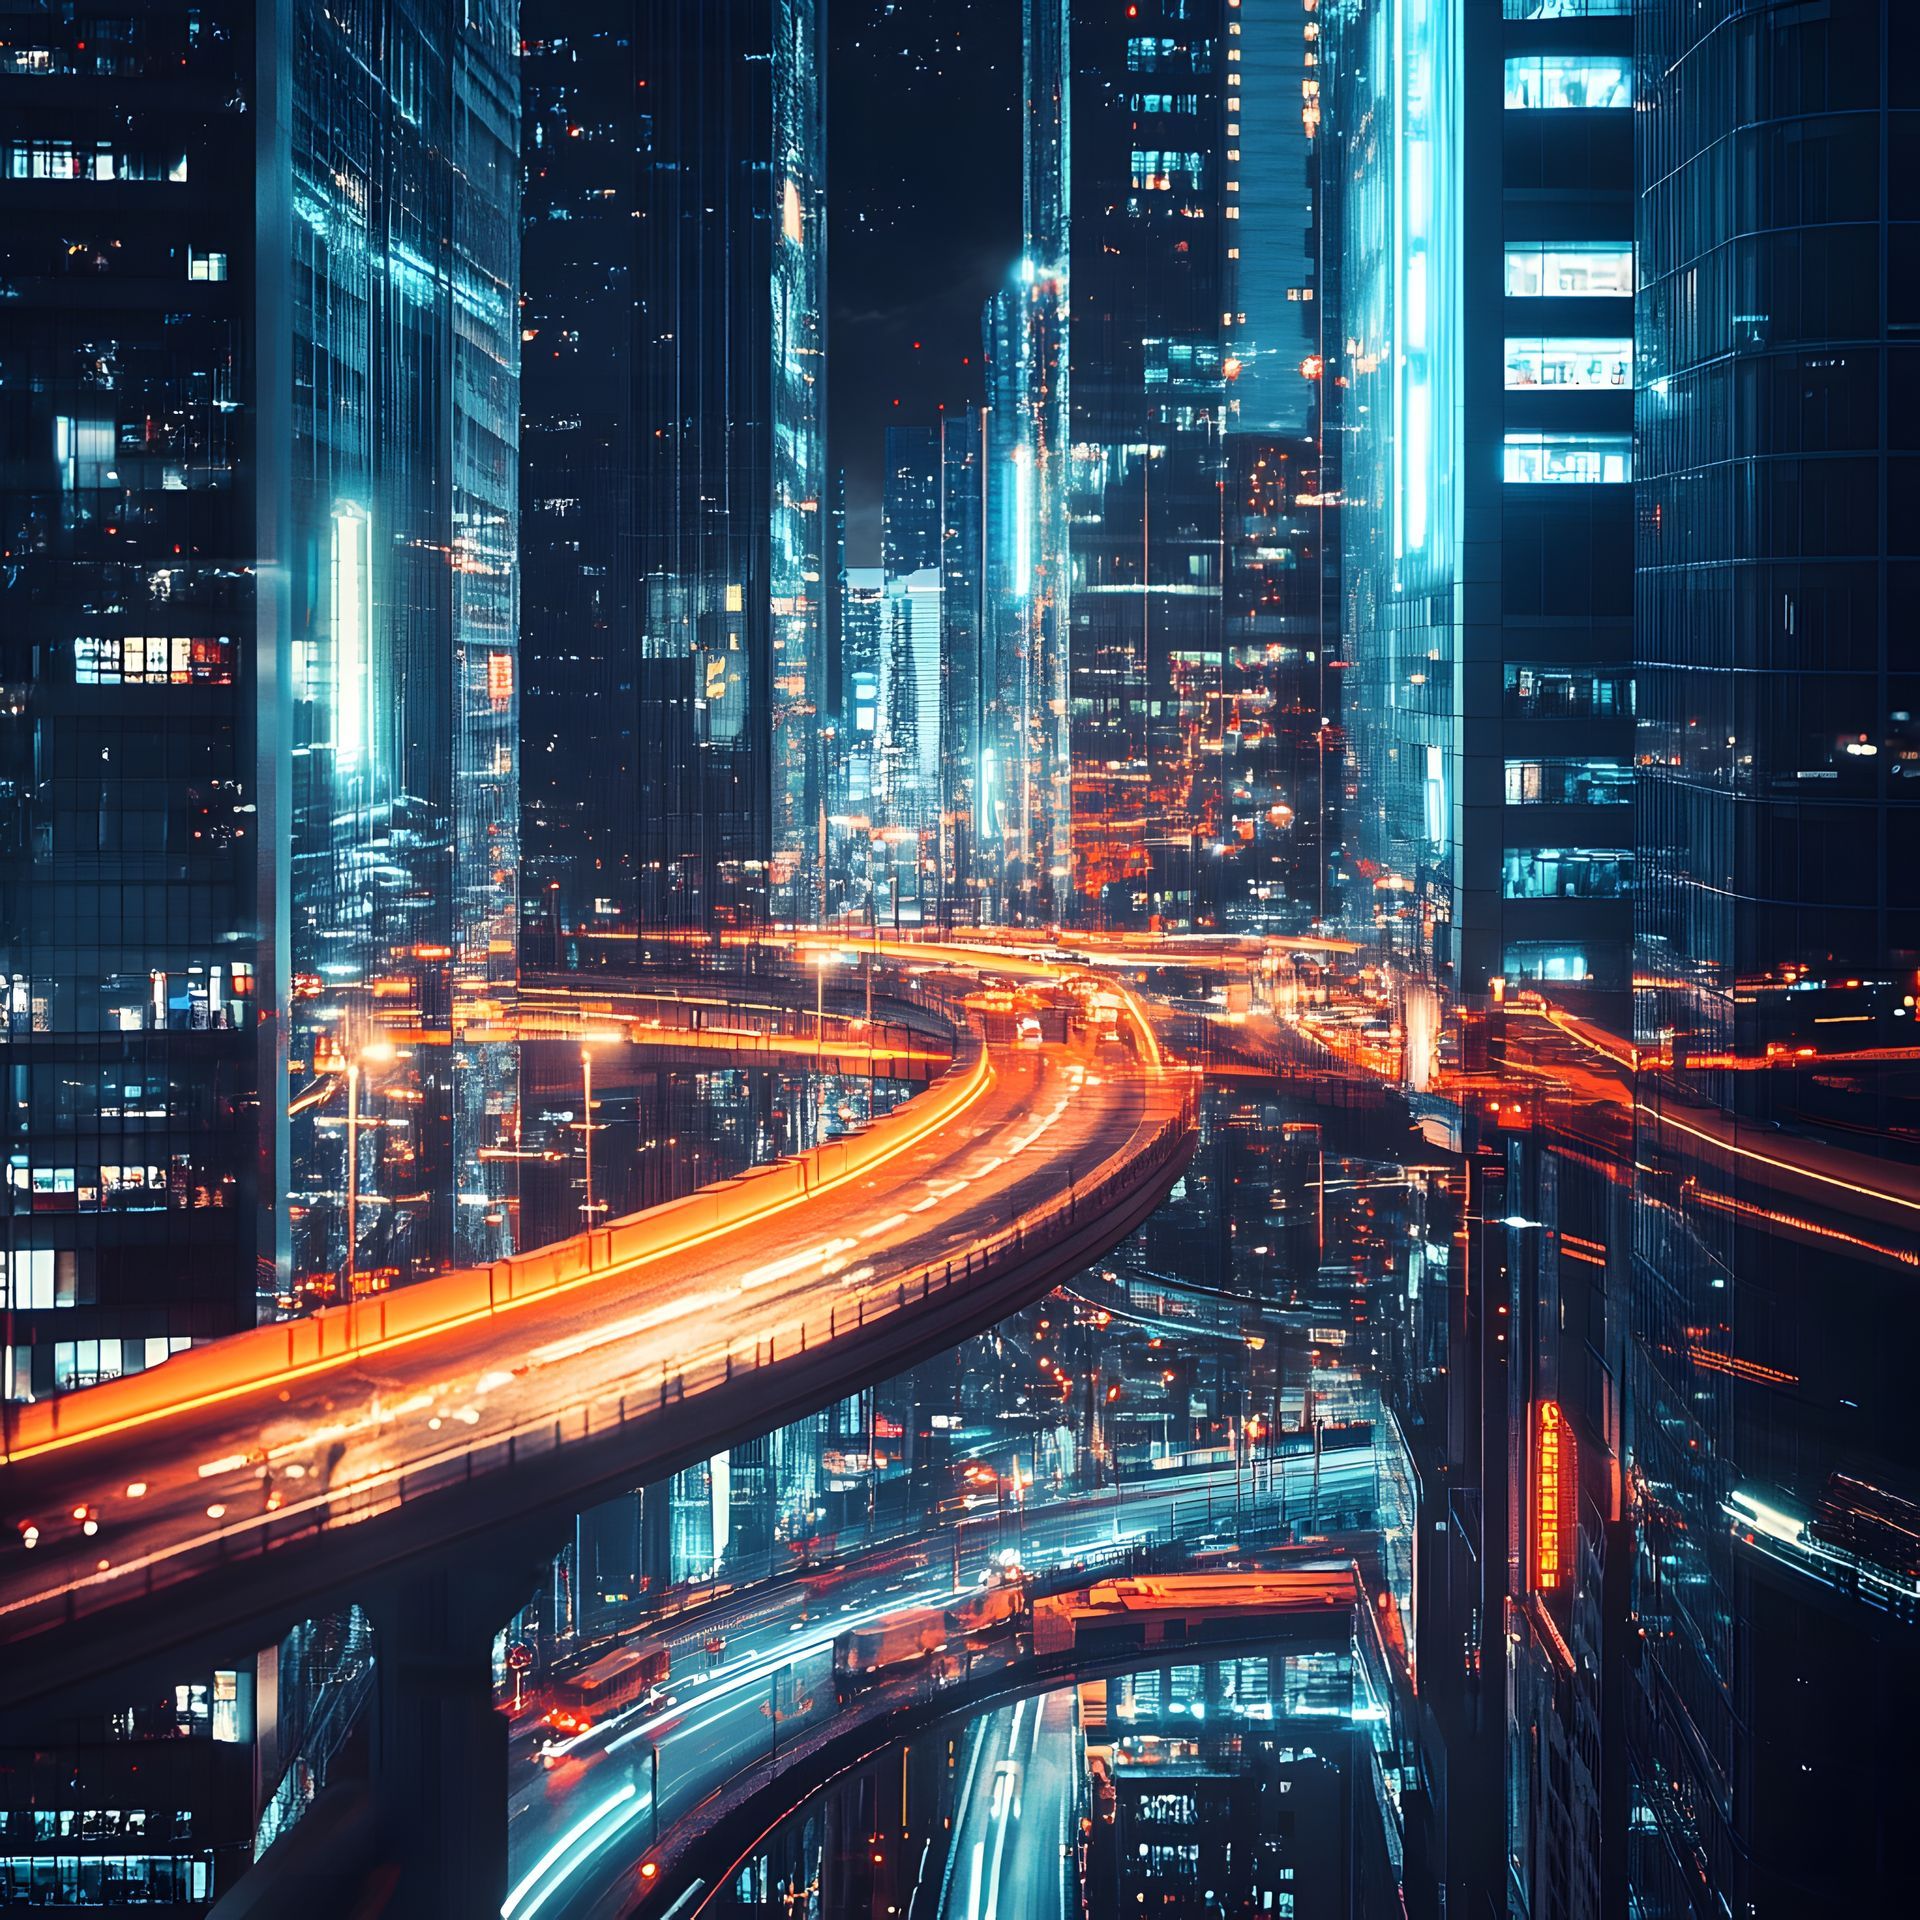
pixel 1153 203
pixel 910 699
pixel 257 742
pixel 677 540
pixel 863 626
pixel 1026 779
pixel 1481 373
pixel 399 207
pixel 1486 380
pixel 910 661
pixel 1771 1446
pixel 138 865
pixel 964 501
pixel 910 501
pixel 1281 748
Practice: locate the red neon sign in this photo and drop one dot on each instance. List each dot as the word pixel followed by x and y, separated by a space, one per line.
pixel 1553 1484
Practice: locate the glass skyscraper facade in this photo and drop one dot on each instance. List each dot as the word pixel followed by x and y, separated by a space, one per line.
pixel 1026 763
pixel 258 742
pixel 1484 405
pixel 1777 939
pixel 138 940
pixel 1154 204
pixel 401 132
pixel 679 532
pixel 965 479
pixel 1280 745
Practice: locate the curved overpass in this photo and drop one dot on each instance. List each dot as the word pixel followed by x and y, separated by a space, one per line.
pixel 250 1481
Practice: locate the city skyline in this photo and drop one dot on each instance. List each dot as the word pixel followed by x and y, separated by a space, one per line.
pixel 958 957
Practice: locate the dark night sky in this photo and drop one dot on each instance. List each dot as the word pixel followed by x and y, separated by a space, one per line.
pixel 923 180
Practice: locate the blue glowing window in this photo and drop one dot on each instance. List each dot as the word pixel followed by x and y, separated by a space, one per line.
pixel 1545 960
pixel 1569 80
pixel 1570 364
pixel 1538 269
pixel 1567 459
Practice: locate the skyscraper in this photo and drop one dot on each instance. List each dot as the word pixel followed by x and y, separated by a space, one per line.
pixel 1279 739
pixel 1154 198
pixel 1772 1455
pixel 257 742
pixel 910 501
pixel 964 481
pixel 678 534
pixel 910 671
pixel 1481 175
pixel 395 196
pixel 1026 759
pixel 1485 392
pixel 139 936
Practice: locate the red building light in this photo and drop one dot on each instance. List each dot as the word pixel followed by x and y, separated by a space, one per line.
pixel 1553 1490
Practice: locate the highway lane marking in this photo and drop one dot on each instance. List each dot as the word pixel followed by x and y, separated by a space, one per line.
pixel 794 1263
pixel 382 1474
pixel 884 1226
pixel 986 1077
pixel 560 1846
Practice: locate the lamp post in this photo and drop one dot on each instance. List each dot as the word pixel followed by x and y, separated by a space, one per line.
pixel 586 1125
pixel 374 1053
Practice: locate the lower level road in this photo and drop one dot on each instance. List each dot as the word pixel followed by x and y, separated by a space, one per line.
pixel 244 1505
pixel 1011 1857
pixel 584 1817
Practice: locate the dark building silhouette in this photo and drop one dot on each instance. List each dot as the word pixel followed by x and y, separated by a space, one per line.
pixel 1777 936
pixel 257 739
pixel 678 533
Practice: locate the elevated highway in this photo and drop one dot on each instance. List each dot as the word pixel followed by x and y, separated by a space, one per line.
pixel 249 1482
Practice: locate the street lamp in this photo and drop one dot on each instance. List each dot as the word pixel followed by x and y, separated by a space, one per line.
pixel 586 1125
pixel 374 1053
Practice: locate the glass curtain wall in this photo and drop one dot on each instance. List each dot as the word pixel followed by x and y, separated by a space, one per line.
pixel 138 940
pixel 402 616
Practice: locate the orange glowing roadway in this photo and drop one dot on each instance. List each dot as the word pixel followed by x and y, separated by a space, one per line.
pixel 245 1480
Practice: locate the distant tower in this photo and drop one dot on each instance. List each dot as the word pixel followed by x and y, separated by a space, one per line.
pixel 679 543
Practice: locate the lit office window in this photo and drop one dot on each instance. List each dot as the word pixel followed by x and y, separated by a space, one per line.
pixel 1567 459
pixel 1570 364
pixel 1567 873
pixel 1568 783
pixel 1154 169
pixel 1565 9
pixel 206 266
pixel 1567 693
pixel 1538 268
pixel 1569 80
pixel 1545 960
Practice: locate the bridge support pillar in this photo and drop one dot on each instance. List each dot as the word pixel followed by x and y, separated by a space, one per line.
pixel 438 1750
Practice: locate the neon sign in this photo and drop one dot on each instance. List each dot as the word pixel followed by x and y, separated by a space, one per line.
pixel 1553 1484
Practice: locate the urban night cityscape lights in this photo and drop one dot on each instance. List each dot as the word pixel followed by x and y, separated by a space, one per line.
pixel 959 957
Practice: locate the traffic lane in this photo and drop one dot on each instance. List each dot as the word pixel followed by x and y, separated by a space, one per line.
pixel 342 1428
pixel 1001 1840
pixel 1033 1869
pixel 706 1740
pixel 351 1436
pixel 955 1553
pixel 564 1862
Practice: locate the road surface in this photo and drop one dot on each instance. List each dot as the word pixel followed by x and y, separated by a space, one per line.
pixel 175 1501
pixel 581 1827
